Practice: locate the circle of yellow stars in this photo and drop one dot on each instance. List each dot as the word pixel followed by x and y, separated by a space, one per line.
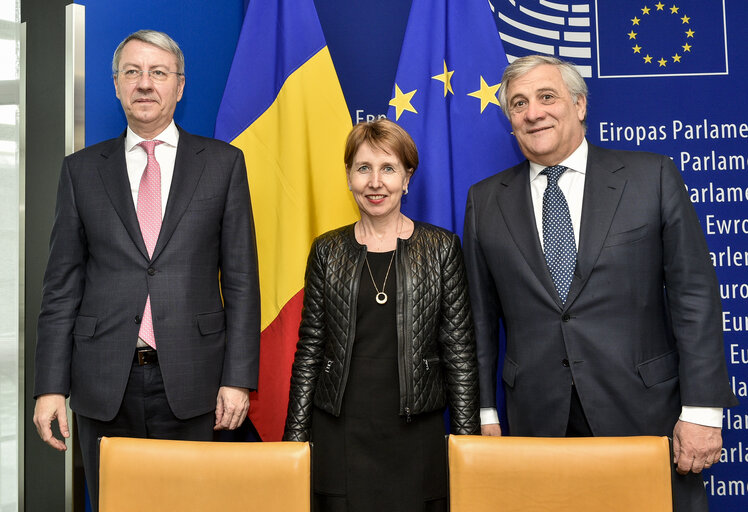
pixel 487 94
pixel 647 11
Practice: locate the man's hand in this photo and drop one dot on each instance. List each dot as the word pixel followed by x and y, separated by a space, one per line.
pixel 695 447
pixel 493 429
pixel 47 409
pixel 232 405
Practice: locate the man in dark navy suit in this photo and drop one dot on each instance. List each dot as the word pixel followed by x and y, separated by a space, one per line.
pixel 150 311
pixel 596 262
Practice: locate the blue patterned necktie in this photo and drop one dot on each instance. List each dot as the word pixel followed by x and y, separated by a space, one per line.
pixel 558 234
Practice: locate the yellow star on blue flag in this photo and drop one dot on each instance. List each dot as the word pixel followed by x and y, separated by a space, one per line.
pixel 401 102
pixel 445 77
pixel 486 94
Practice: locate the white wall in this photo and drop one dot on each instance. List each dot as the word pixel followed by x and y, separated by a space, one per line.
pixel 10 256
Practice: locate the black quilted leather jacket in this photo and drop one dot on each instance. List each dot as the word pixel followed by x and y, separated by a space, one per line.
pixel 436 347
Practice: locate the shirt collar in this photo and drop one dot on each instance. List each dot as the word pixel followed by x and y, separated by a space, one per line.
pixel 577 161
pixel 169 136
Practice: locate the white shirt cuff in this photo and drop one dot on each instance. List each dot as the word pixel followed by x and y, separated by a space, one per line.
pixel 489 416
pixel 707 416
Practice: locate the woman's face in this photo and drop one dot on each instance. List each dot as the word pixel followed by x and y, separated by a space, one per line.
pixel 377 179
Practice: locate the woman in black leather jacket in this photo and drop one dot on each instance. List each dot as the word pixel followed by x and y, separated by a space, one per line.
pixel 386 342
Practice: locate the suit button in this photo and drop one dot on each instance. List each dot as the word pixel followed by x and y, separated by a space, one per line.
pixel 566 317
pixel 565 362
pixel 137 319
pixel 151 271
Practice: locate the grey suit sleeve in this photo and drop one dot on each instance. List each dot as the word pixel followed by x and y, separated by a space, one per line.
pixel 485 304
pixel 62 292
pixel 692 297
pixel 240 283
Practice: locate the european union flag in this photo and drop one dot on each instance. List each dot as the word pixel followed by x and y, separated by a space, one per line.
pixel 685 37
pixel 445 96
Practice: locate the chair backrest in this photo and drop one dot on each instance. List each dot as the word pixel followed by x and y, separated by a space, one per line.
pixel 158 475
pixel 611 474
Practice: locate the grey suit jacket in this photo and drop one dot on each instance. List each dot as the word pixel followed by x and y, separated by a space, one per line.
pixel 99 275
pixel 640 334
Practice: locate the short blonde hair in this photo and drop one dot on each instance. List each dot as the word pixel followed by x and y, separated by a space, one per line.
pixel 385 135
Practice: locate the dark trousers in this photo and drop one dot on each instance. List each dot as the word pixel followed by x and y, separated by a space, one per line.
pixel 144 413
pixel 577 426
pixel 688 490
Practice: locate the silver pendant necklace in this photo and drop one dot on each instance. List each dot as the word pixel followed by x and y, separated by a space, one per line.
pixel 381 297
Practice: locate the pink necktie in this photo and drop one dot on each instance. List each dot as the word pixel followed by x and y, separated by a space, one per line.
pixel 149 217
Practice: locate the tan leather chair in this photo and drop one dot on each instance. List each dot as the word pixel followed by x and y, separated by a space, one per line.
pixel 156 475
pixel 596 474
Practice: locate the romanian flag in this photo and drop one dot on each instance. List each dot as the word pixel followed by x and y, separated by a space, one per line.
pixel 446 97
pixel 283 106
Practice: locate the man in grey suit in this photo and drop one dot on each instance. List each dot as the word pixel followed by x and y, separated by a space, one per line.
pixel 596 262
pixel 150 309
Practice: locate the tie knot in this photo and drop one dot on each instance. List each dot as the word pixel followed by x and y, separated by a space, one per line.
pixel 553 173
pixel 150 145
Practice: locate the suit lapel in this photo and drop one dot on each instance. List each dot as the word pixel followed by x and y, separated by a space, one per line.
pixel 515 204
pixel 602 193
pixel 113 173
pixel 188 167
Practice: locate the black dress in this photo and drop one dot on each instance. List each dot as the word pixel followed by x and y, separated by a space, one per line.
pixel 370 458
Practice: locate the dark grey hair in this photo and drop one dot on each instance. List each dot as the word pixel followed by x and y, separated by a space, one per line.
pixel 158 39
pixel 569 74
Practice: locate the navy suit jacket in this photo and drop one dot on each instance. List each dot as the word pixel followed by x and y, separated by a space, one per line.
pixel 202 280
pixel 640 333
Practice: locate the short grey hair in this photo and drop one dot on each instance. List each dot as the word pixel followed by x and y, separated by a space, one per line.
pixel 157 39
pixel 569 74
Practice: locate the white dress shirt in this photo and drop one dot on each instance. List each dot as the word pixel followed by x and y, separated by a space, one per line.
pixel 571 184
pixel 136 159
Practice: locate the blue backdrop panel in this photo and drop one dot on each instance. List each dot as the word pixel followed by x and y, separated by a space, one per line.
pixel 686 102
pixel 206 31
